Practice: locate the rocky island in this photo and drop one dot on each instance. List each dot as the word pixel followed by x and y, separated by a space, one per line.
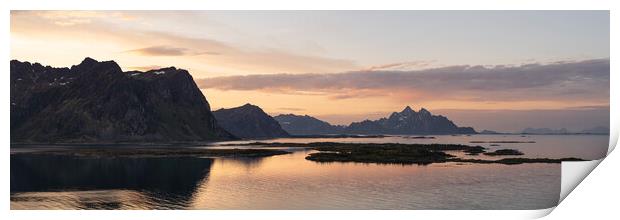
pixel 396 153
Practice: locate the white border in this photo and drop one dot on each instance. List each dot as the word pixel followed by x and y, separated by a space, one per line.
pixel 284 4
pixel 315 5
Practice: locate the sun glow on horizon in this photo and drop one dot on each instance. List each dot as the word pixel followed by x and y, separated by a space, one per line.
pixel 289 62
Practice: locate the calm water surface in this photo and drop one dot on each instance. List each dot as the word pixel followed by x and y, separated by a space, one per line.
pixel 291 182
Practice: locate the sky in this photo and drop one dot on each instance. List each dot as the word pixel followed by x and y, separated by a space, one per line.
pixel 501 68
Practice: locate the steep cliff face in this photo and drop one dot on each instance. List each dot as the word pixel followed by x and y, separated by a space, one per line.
pixel 98 102
pixel 249 121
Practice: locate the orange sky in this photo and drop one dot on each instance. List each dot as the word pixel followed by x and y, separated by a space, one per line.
pixel 354 74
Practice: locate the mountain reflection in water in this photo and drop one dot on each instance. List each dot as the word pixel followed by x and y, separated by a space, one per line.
pixel 106 183
pixel 289 181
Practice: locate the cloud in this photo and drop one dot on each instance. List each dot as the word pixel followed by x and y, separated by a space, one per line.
pixel 72 18
pixel 101 28
pixel 168 51
pixel 160 51
pixel 403 66
pixel 587 79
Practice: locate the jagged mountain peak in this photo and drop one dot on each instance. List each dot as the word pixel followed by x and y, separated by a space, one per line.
pixel 90 65
pixel 424 111
pixel 408 122
pixel 408 110
pixel 88 61
pixel 404 122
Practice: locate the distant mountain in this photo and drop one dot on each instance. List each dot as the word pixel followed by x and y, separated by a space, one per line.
pixel 596 130
pixel 249 121
pixel 489 132
pixel 306 125
pixel 407 121
pixel 98 102
pixel 544 131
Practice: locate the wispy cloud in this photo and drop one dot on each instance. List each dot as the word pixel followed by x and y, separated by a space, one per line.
pixel 588 79
pixel 403 66
pixel 71 18
pixel 160 51
pixel 67 27
pixel 168 51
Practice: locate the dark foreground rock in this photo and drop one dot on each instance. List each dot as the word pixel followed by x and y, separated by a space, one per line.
pixel 395 153
pixel 504 152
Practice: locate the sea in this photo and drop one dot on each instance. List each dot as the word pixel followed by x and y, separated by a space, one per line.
pixel 291 182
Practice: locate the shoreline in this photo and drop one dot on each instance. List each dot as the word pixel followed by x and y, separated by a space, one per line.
pixel 376 153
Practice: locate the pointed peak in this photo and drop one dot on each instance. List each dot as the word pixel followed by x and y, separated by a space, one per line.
pixel 423 110
pixel 250 106
pixel 88 61
pixel 407 109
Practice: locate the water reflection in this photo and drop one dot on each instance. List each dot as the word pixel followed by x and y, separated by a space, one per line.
pixel 119 182
pixel 291 182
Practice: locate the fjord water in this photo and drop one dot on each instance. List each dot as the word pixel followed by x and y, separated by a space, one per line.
pixel 291 182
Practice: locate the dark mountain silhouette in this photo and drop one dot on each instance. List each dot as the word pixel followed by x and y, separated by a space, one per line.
pixel 407 121
pixel 249 121
pixel 306 125
pixel 171 178
pixel 489 132
pixel 98 102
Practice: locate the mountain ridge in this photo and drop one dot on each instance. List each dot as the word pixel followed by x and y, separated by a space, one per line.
pixel 306 125
pixel 406 121
pixel 250 122
pixel 96 101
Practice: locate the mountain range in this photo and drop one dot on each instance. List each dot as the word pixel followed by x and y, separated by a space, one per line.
pixel 407 121
pixel 98 102
pixel 307 125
